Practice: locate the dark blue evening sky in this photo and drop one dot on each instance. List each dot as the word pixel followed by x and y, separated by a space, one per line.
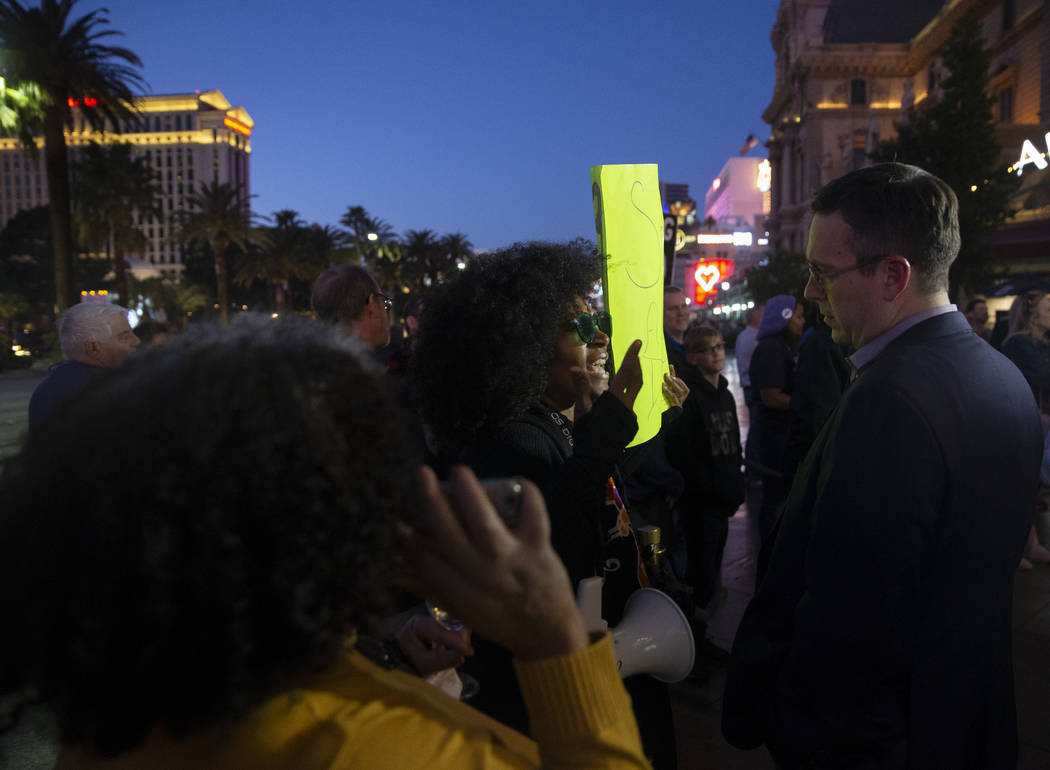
pixel 478 117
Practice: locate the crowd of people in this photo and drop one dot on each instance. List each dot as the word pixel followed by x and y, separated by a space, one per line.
pixel 230 548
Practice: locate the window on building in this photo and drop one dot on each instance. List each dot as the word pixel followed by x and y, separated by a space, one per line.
pixel 858 91
pixel 1006 105
pixel 1008 14
pixel 794 176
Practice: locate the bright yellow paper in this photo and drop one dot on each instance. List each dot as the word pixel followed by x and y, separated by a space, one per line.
pixel 629 221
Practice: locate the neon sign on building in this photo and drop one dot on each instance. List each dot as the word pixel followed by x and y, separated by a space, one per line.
pixel 708 275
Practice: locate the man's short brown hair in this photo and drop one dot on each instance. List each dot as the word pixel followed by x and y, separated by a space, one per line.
pixel 700 336
pixel 341 293
pixel 894 208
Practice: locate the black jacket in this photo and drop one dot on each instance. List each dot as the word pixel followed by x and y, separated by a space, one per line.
pixel 571 464
pixel 880 629
pixel 704 445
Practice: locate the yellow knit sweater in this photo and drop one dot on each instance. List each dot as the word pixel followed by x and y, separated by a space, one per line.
pixel 358 715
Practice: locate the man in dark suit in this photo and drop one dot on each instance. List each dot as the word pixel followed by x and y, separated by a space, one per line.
pixel 880 630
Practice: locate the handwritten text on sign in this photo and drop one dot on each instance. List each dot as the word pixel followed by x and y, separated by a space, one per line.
pixel 629 221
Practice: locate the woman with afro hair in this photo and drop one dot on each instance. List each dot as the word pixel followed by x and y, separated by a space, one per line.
pixel 510 379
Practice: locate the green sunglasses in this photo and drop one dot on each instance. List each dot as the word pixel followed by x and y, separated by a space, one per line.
pixel 587 325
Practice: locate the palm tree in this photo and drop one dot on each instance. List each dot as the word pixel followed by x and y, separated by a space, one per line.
pixel 110 185
pixel 289 253
pixel 429 260
pixel 358 225
pixel 458 248
pixel 217 216
pixel 67 61
pixel 385 245
pixel 421 250
pixel 322 245
pixel 20 106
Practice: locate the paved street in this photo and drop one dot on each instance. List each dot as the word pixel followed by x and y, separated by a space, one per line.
pixel 15 390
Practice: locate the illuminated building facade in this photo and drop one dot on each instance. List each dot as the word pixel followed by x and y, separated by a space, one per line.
pixel 730 234
pixel 845 71
pixel 848 70
pixel 188 140
pixel 740 193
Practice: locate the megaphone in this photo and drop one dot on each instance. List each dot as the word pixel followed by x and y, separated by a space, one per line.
pixel 653 638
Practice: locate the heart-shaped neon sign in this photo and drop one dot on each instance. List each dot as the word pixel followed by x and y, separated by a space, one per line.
pixel 707 276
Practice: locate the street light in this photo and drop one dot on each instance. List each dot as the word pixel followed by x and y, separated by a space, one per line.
pixel 373 237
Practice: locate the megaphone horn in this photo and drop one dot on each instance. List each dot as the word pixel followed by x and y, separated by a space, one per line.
pixel 654 638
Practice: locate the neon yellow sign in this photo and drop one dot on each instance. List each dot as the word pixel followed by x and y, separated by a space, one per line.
pixel 629 222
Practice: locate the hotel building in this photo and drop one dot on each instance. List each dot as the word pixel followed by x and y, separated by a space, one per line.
pixel 188 139
pixel 848 70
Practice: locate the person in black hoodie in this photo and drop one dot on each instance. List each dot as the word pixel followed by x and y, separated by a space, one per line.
pixel 704 443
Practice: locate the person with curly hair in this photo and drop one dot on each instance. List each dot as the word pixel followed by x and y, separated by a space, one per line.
pixel 497 372
pixel 510 376
pixel 189 592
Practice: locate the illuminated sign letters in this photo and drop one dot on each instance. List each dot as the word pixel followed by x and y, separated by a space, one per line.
pixel 1029 154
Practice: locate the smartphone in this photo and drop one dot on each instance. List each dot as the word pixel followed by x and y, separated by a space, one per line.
pixel 505 495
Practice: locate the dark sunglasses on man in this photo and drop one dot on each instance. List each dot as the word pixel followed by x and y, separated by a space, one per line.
pixel 587 326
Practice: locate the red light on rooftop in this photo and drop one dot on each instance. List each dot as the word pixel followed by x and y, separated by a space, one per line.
pixel 237 126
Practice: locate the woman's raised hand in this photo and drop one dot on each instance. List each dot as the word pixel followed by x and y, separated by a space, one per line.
pixel 507 584
pixel 628 380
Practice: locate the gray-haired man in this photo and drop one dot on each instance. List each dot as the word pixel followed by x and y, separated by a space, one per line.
pixel 93 336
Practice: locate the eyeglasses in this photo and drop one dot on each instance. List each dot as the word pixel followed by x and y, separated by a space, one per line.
pixel 587 326
pixel 387 301
pixel 823 277
pixel 716 348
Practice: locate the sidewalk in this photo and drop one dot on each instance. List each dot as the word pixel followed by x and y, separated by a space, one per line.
pixel 15 389
pixel 698 709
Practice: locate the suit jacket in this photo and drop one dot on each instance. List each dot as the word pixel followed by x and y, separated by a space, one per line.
pixel 880 630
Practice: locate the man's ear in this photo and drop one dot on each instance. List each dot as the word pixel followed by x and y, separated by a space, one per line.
pixel 92 349
pixel 896 276
pixel 368 309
